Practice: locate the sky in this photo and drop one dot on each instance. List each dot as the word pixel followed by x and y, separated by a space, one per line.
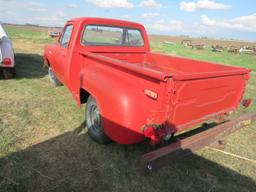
pixel 197 18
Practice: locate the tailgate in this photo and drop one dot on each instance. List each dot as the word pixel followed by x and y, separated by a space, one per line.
pixel 197 100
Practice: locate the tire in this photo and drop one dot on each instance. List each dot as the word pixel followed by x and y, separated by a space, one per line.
pixel 94 122
pixel 9 73
pixel 54 80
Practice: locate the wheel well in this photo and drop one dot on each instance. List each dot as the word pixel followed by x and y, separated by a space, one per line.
pixel 84 95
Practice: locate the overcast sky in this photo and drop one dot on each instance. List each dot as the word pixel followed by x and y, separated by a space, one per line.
pixel 211 18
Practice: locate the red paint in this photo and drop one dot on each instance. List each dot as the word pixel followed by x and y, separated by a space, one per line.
pixel 188 91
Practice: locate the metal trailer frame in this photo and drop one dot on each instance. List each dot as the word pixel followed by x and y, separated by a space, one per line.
pixel 213 137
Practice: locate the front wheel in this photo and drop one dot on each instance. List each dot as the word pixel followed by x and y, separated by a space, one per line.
pixel 94 122
pixel 54 80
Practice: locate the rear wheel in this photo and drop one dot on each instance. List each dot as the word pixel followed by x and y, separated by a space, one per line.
pixel 9 73
pixel 94 122
pixel 54 80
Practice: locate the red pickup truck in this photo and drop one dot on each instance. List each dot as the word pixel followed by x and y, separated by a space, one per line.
pixel 131 93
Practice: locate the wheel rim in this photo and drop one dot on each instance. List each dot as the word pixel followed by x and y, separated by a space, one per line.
pixel 95 117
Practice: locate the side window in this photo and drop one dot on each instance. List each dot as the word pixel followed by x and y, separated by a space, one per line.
pixel 64 41
pixel 134 38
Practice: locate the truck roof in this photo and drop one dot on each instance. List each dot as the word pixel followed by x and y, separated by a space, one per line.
pixel 114 22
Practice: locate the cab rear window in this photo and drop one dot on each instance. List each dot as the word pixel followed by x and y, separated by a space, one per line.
pixel 96 35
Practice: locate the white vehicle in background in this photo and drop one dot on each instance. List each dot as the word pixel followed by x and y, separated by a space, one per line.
pixel 7 62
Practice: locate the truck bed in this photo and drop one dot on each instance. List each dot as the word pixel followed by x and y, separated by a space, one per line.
pixel 201 90
pixel 198 90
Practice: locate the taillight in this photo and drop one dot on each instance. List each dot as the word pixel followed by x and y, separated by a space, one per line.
pixel 154 132
pixel 246 103
pixel 7 61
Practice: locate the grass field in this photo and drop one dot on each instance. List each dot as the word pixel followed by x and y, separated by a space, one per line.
pixel 244 60
pixel 44 146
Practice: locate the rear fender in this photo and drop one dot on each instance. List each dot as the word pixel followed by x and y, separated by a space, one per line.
pixel 124 107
